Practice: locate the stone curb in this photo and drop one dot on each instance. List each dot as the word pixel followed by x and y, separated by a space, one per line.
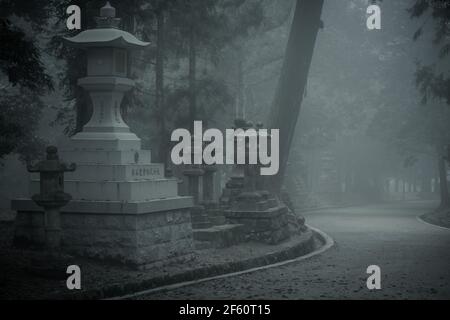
pixel 307 210
pixel 345 206
pixel 137 288
pixel 314 209
pixel 423 220
pixel 277 259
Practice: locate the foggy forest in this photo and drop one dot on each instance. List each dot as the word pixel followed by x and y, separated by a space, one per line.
pixel 363 114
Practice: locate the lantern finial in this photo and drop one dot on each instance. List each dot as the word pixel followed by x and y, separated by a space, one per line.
pixel 107 17
pixel 108 11
pixel 52 153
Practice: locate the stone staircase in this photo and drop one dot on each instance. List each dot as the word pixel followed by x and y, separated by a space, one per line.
pixel 199 218
pixel 264 218
pixel 218 237
pixel 211 230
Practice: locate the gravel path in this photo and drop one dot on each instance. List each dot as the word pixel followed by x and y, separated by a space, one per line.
pixel 414 258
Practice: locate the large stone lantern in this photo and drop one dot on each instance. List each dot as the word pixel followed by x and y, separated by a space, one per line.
pixel 107 80
pixel 123 207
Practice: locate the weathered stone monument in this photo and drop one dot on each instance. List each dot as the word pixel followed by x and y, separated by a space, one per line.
pixel 263 217
pixel 123 207
pixel 235 185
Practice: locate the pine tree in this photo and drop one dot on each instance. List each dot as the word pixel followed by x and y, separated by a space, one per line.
pixel 433 83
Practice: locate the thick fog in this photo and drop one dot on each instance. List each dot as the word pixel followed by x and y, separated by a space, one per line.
pixel 204 138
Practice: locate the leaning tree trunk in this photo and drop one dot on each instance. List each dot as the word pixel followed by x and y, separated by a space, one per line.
pixel 293 80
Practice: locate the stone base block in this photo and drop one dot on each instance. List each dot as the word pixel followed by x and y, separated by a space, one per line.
pixel 134 239
pixel 218 237
pixel 101 173
pixel 270 226
pixel 105 157
pixel 120 141
pixel 137 190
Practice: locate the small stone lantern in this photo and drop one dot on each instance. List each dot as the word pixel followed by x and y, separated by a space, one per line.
pixel 208 184
pixel 52 196
pixel 193 173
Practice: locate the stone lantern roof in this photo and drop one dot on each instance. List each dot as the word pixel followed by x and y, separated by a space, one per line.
pixel 107 33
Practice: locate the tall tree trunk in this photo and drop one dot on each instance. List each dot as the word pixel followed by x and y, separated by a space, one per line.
pixel 159 79
pixel 404 189
pixel 293 80
pixel 81 114
pixel 445 200
pixel 192 75
pixel 240 112
pixel 83 104
pixel 426 184
pixel 436 179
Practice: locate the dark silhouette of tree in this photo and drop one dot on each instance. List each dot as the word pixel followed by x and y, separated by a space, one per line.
pixel 23 78
pixel 432 81
pixel 293 79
